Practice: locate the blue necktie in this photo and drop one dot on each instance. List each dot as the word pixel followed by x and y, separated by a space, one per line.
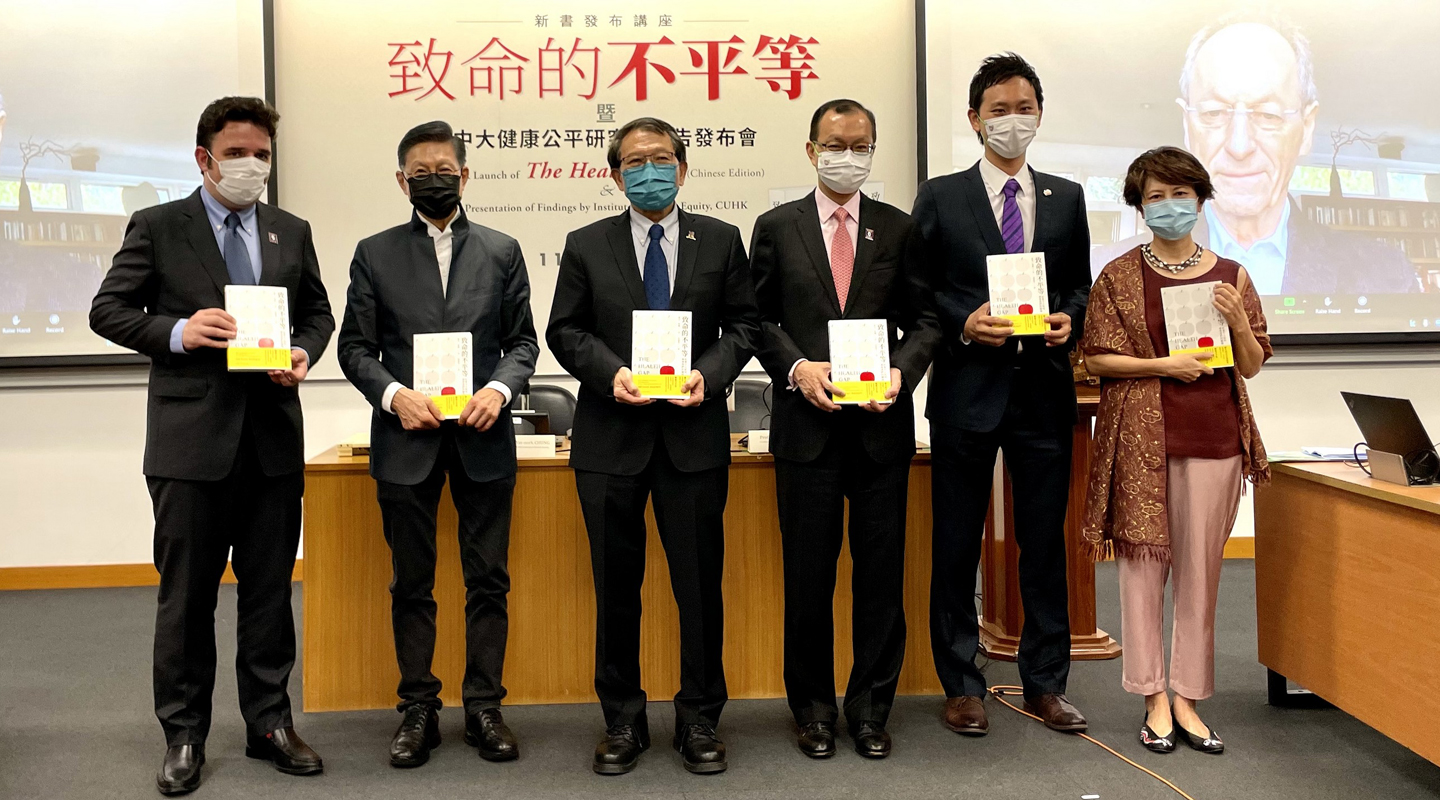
pixel 1012 227
pixel 237 255
pixel 657 274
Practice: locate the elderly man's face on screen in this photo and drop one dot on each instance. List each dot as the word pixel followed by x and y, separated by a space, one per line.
pixel 1247 119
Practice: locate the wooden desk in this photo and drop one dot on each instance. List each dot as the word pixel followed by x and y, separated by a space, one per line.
pixel 1347 595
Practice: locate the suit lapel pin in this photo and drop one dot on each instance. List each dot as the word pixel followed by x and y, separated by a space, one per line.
pixel 869 234
pixel 690 235
pixel 274 239
pixel 1047 192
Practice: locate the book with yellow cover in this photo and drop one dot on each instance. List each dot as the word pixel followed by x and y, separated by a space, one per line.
pixel 860 360
pixel 1194 325
pixel 262 328
pixel 1019 292
pixel 660 353
pixel 445 370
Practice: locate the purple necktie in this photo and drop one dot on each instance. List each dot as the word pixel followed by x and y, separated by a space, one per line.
pixel 1012 228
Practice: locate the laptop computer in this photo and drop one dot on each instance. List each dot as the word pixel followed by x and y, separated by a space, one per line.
pixel 1400 449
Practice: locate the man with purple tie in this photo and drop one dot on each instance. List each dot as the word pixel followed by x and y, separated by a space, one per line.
pixel 992 391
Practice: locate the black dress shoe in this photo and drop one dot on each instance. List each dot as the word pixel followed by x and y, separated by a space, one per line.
pixel 417 735
pixel 286 750
pixel 701 750
pixel 488 733
pixel 180 773
pixel 1209 743
pixel 871 740
pixel 1154 742
pixel 817 739
pixel 620 750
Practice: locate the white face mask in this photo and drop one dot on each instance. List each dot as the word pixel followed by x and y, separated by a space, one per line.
pixel 242 180
pixel 844 172
pixel 1010 135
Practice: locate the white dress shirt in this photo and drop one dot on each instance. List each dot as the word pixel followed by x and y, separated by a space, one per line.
pixel 828 225
pixel 995 180
pixel 444 250
pixel 669 241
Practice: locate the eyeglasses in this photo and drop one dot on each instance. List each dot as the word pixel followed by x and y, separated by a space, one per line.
pixel 857 149
pixel 1212 115
pixel 425 173
pixel 663 159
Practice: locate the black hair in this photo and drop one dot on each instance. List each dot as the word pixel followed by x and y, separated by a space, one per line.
pixel 226 110
pixel 841 106
pixel 436 131
pixel 997 69
pixel 651 125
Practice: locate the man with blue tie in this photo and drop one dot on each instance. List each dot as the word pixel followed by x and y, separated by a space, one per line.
pixel 224 451
pixel 990 391
pixel 627 448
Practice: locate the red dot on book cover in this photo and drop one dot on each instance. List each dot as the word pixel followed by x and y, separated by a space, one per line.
pixel 1206 341
pixel 1026 308
pixel 267 342
pixel 448 390
pixel 667 370
pixel 867 376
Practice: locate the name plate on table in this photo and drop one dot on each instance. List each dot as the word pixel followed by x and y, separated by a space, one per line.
pixel 534 445
pixel 860 360
pixel 444 370
pixel 1019 292
pixel 660 353
pixel 262 328
pixel 1194 325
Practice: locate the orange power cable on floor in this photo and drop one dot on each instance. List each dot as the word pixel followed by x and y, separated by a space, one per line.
pixel 1001 692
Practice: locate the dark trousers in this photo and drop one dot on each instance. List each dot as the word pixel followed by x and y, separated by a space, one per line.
pixel 690 513
pixel 1037 455
pixel 408 514
pixel 811 497
pixel 253 521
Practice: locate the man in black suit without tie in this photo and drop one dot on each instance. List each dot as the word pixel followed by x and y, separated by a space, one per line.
pixel 990 391
pixel 224 451
pixel 627 447
pixel 838 255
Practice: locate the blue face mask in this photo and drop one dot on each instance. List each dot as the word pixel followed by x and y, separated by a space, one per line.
pixel 651 186
pixel 1172 219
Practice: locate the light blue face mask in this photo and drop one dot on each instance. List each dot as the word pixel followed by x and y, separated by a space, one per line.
pixel 1172 219
pixel 651 186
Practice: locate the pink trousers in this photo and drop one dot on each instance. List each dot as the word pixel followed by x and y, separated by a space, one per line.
pixel 1204 494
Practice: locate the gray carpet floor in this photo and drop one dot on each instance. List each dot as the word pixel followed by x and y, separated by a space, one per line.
pixel 77 723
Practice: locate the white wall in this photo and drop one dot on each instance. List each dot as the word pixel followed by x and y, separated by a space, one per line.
pixel 71 491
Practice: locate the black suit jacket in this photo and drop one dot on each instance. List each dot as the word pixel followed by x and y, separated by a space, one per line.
pixel 394 294
pixel 795 289
pixel 598 287
pixel 168 268
pixel 955 229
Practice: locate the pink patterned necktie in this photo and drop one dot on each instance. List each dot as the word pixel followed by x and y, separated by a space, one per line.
pixel 842 257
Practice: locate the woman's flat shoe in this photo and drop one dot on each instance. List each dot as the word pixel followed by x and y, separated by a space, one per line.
pixel 1210 744
pixel 1154 742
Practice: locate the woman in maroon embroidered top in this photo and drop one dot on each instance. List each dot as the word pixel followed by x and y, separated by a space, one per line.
pixel 1174 439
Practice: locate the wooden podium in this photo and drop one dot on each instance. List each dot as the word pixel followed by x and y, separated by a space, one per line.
pixel 1001 614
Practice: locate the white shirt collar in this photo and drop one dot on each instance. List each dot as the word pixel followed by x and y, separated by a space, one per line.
pixel 640 225
pixel 827 206
pixel 995 178
pixel 435 232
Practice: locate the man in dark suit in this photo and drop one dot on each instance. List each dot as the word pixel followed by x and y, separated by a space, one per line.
pixel 627 447
pixel 439 273
pixel 224 451
pixel 837 254
pixel 990 391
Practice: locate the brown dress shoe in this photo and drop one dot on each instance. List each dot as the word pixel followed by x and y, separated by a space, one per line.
pixel 966 716
pixel 1057 713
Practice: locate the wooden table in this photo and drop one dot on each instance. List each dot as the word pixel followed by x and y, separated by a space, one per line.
pixel 1347 595
pixel 349 651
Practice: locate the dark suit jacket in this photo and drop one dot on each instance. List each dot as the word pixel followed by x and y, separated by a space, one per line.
pixel 598 287
pixel 1319 260
pixel 796 293
pixel 394 294
pixel 168 268
pixel 955 229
